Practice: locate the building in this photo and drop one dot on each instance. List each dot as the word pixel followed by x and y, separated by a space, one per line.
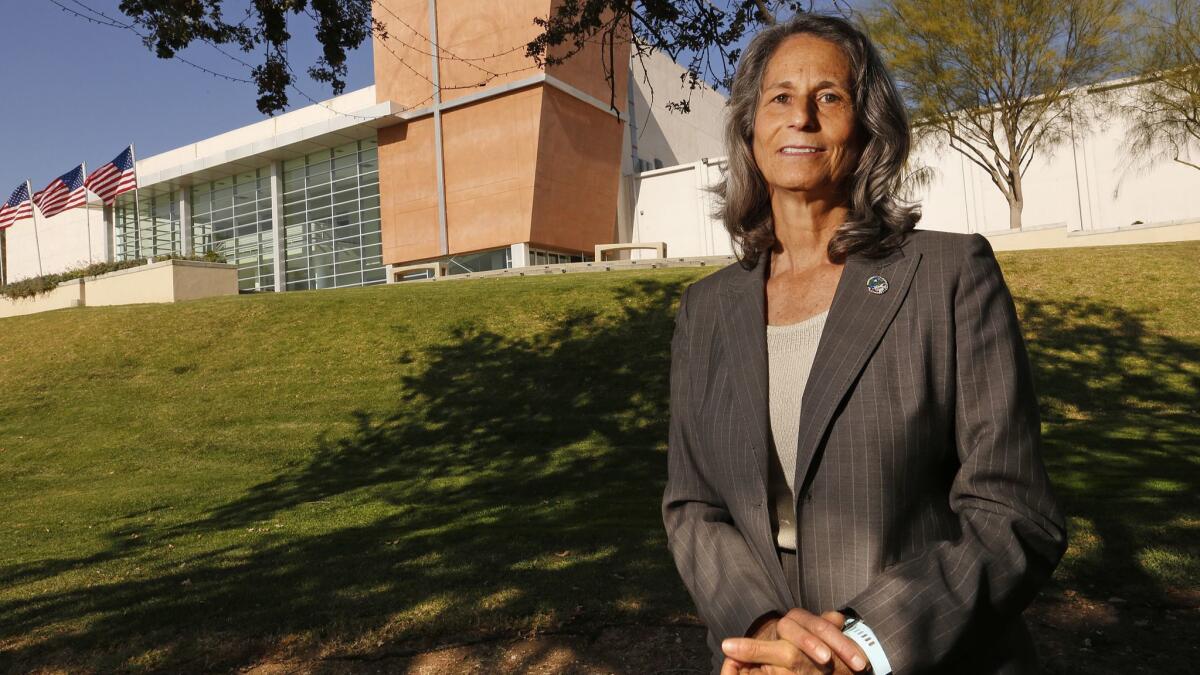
pixel 468 155
pixel 1084 191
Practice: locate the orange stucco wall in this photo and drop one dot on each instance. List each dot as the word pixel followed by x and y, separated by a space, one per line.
pixel 491 151
pixel 498 31
pixel 577 175
pixel 585 70
pixel 403 69
pixel 408 192
pixel 532 165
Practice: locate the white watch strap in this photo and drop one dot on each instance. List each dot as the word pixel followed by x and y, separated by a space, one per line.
pixel 862 634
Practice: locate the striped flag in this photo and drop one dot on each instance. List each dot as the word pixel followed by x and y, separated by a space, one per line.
pixel 17 207
pixel 113 178
pixel 64 192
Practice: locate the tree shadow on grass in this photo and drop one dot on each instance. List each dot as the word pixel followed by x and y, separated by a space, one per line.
pixel 1120 403
pixel 514 489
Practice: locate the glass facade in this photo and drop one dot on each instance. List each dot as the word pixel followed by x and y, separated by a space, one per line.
pixel 232 217
pixel 331 218
pixel 495 259
pixel 149 228
pixel 540 257
pixel 330 221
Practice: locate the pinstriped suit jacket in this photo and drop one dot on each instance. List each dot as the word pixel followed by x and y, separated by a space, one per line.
pixel 922 501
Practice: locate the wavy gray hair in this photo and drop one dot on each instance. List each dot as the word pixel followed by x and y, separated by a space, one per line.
pixel 878 217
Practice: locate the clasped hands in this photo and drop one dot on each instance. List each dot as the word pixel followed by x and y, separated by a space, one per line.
pixel 799 643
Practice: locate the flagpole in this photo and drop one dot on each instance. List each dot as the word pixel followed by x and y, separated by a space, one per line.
pixel 87 207
pixel 137 206
pixel 33 207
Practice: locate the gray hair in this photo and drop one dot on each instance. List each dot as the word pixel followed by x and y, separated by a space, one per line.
pixel 878 219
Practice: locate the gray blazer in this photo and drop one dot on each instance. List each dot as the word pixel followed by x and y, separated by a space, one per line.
pixel 922 501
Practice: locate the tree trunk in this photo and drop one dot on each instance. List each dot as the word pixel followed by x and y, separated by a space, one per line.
pixel 1016 198
pixel 1014 213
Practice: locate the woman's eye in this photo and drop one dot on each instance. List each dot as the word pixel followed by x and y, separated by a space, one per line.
pixel 829 97
pixel 780 98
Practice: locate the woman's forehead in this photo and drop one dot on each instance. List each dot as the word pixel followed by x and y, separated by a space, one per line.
pixel 803 59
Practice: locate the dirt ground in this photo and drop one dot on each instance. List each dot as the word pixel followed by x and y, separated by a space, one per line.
pixel 1074 635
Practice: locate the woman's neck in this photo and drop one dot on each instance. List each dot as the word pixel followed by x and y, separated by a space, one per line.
pixel 803 228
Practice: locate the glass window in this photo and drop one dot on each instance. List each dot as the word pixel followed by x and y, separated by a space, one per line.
pixel 323 209
pixel 239 227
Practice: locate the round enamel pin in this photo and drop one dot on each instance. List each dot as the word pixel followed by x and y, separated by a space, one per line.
pixel 877 285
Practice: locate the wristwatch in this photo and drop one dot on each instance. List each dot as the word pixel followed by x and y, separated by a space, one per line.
pixel 861 633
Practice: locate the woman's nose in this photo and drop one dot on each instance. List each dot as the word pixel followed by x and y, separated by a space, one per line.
pixel 804 116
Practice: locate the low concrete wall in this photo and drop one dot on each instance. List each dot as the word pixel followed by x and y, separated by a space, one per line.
pixel 1059 237
pixel 194 280
pixel 167 281
pixel 66 294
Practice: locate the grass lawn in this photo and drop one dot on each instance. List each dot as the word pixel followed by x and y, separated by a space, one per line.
pixel 197 486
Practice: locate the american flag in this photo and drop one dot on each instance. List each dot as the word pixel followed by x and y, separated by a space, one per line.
pixel 64 192
pixel 17 207
pixel 113 178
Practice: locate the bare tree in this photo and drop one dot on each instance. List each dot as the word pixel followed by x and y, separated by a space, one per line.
pixel 996 79
pixel 1163 110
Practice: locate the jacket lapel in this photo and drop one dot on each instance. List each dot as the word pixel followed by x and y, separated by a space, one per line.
pixel 743 301
pixel 856 323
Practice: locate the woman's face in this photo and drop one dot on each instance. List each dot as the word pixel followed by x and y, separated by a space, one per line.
pixel 805 132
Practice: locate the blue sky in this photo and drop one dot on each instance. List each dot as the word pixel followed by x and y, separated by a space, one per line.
pixel 80 92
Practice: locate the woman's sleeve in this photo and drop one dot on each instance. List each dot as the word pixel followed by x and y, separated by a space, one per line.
pixel 1013 534
pixel 728 585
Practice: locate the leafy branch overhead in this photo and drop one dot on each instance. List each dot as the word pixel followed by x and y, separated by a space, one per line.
pixel 701 35
pixel 341 26
pixel 697 34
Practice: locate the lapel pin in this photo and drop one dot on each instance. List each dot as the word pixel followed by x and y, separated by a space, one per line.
pixel 877 285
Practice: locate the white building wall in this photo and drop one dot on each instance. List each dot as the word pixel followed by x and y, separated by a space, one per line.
pixel 259 131
pixel 62 241
pixel 654 133
pixel 1086 184
pixel 1089 190
pixel 671 137
pixel 675 206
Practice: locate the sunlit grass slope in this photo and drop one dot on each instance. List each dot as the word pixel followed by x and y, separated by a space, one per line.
pixel 193 486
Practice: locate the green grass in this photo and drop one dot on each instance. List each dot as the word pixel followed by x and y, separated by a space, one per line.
pixel 193 486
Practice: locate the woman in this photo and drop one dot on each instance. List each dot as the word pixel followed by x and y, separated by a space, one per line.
pixel 854 474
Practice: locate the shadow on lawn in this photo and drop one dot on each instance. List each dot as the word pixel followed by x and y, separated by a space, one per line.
pixel 517 486
pixel 1120 404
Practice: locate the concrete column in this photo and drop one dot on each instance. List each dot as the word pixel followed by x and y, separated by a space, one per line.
pixel 184 205
pixel 110 232
pixel 277 241
pixel 519 254
pixel 439 157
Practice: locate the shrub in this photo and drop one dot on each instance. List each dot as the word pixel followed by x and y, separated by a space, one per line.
pixel 34 286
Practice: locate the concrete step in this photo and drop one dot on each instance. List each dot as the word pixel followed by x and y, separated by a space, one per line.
pixel 603 266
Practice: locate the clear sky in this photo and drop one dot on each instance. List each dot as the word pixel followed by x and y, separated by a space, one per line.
pixel 80 92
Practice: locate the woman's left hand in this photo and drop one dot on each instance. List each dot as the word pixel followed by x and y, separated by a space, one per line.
pixel 802 643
